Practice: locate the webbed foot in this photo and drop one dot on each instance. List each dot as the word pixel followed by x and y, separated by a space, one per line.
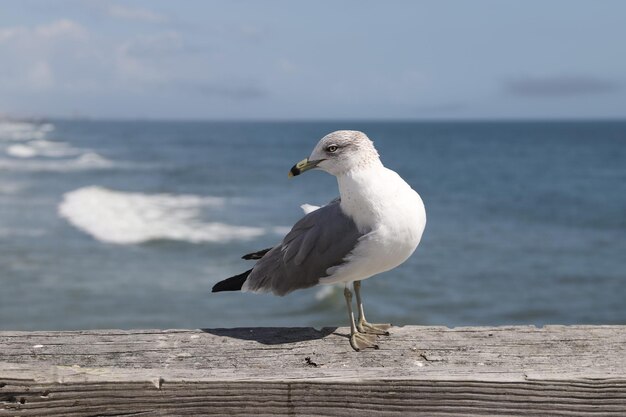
pixel 360 341
pixel 380 329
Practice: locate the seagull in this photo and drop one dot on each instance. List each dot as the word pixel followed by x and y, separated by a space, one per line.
pixel 374 226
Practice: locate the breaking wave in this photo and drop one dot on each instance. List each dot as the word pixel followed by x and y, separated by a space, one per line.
pixel 18 131
pixel 86 161
pixel 33 153
pixel 42 147
pixel 130 218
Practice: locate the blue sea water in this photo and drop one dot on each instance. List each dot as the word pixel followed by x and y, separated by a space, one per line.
pixel 129 224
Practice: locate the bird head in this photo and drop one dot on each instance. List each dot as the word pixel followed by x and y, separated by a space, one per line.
pixel 338 153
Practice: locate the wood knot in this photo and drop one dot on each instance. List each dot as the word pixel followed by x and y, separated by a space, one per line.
pixel 14 399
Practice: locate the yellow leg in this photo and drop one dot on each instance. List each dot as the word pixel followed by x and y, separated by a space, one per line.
pixel 358 340
pixel 362 325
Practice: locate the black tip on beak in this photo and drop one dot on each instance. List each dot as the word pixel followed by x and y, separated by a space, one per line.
pixel 294 171
pixel 302 166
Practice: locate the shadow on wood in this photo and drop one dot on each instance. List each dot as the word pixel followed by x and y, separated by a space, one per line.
pixel 274 335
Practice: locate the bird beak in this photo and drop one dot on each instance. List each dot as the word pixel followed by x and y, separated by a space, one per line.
pixel 302 166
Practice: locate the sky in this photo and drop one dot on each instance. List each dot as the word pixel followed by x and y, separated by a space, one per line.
pixel 293 60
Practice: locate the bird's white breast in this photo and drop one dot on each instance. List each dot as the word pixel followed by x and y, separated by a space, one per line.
pixel 382 204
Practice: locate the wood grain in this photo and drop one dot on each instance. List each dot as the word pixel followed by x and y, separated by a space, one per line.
pixel 425 371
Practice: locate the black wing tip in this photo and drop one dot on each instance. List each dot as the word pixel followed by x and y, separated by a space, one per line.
pixel 233 283
pixel 255 255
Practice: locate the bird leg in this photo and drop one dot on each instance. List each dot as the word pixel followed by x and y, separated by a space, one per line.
pixel 362 325
pixel 358 340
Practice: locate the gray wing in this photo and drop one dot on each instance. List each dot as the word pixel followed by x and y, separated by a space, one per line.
pixel 318 241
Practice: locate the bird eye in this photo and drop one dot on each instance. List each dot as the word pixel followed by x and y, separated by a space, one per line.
pixel 331 148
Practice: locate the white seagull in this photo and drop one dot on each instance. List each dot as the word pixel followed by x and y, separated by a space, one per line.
pixel 374 226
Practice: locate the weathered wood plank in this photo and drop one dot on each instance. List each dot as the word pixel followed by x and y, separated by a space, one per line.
pixel 430 371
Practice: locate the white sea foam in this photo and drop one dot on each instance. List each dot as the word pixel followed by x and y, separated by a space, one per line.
pixel 21 151
pixel 86 161
pixel 34 145
pixel 16 131
pixel 325 291
pixel 129 218
pixel 92 160
pixel 44 148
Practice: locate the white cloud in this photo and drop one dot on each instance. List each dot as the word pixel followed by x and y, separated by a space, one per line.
pixel 135 13
pixel 61 65
pixel 9 34
pixel 58 28
pixel 61 28
pixel 35 55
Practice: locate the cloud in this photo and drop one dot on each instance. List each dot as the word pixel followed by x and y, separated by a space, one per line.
pixel 135 13
pixel 166 61
pixel 39 54
pixel 62 28
pixel 559 86
pixel 9 34
pixel 63 58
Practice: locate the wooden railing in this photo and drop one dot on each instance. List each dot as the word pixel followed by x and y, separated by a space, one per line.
pixel 425 371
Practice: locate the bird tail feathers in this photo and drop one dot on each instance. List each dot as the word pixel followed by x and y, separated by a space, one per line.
pixel 233 283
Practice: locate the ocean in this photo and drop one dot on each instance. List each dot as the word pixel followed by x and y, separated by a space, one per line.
pixel 128 224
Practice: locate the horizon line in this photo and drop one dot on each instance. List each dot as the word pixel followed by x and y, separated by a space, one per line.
pixel 313 120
